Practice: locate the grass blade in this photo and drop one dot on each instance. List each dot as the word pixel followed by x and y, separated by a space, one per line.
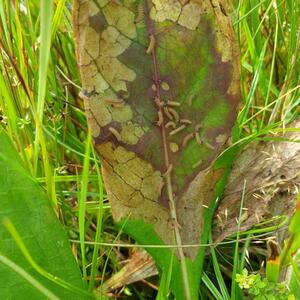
pixel 82 203
pixel 98 229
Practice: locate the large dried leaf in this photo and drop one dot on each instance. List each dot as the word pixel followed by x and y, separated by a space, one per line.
pixel 268 173
pixel 161 85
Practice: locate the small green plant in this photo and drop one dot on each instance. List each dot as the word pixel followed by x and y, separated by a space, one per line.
pixel 258 288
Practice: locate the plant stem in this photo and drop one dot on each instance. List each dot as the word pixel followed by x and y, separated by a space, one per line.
pixel 178 240
pixel 156 78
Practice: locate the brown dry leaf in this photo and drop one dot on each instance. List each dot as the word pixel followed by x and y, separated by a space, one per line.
pixel 139 266
pixel 271 171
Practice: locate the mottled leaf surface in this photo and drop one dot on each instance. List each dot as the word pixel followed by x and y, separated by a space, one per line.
pixel 161 85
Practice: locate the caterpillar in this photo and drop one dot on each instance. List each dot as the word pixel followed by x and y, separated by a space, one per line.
pixel 174 147
pixel 186 139
pixel 198 139
pixel 165 86
pixel 175 131
pixel 167 113
pixel 160 118
pixel 151 44
pixel 197 164
pixel 174 113
pixel 190 100
pixel 158 102
pixel 170 124
pixel 115 102
pixel 208 145
pixel 115 133
pixel 198 126
pixel 173 103
pixel 185 121
pixel 221 138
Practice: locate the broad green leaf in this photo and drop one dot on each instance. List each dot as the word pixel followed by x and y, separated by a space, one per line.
pixel 25 205
pixel 161 87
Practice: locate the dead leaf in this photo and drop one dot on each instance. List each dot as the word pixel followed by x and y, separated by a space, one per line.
pixel 161 62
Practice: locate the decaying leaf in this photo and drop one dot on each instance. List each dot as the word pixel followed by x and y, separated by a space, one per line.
pixel 138 267
pixel 271 172
pixel 161 85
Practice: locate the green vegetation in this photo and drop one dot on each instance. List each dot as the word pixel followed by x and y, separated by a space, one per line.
pixel 262 289
pixel 43 117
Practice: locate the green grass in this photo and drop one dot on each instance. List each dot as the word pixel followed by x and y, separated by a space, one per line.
pixel 43 115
